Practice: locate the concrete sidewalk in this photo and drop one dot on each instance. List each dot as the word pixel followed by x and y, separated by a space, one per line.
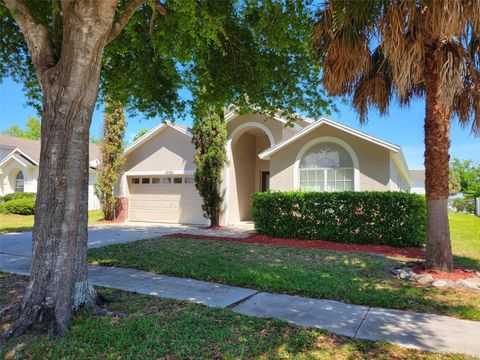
pixel 423 331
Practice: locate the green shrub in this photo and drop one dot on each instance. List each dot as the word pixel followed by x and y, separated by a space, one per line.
pixel 377 218
pixel 21 206
pixel 19 195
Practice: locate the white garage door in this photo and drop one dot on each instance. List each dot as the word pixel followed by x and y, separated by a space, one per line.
pixel 168 199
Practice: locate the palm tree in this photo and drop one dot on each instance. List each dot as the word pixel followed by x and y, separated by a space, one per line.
pixel 379 51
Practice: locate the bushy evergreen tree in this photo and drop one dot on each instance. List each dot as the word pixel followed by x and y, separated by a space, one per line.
pixel 111 158
pixel 210 138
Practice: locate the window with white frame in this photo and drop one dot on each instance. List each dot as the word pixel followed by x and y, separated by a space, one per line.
pixel 19 182
pixel 326 166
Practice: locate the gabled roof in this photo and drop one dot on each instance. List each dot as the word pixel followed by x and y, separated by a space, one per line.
pixel 157 129
pixel 19 156
pixel 231 113
pixel 265 155
pixel 396 151
pixel 31 148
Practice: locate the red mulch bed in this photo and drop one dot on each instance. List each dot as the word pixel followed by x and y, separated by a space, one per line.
pixel 412 252
pixel 455 275
pixel 106 222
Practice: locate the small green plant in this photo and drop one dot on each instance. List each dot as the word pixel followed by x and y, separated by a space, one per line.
pixel 379 218
pixel 20 206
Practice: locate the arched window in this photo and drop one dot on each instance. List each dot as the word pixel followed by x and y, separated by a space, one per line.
pixel 326 166
pixel 19 182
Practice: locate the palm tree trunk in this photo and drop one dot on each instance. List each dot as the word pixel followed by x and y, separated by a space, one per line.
pixel 437 144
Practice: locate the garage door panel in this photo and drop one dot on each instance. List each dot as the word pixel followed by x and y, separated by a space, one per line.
pixel 169 203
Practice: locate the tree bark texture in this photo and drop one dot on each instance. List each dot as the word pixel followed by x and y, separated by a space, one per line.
pixel 70 90
pixel 437 144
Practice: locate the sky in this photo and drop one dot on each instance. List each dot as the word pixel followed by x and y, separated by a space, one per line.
pixel 402 126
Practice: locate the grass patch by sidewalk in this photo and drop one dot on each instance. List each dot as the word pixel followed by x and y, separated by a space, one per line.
pixel 350 277
pixel 169 329
pixel 18 223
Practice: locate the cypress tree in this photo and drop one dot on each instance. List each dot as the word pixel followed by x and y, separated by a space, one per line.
pixel 210 138
pixel 111 157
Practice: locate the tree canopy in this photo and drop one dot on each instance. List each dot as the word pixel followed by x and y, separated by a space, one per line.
pixel 468 174
pixel 139 134
pixel 31 131
pixel 252 54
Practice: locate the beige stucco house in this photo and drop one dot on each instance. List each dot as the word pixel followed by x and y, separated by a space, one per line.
pixel 263 153
pixel 19 160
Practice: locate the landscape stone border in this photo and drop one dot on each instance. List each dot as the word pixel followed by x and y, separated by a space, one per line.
pixel 407 273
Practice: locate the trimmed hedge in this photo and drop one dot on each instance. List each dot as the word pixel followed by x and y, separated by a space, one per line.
pixel 374 218
pixel 20 206
pixel 19 195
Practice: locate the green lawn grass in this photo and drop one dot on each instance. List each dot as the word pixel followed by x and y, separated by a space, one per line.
pixel 465 235
pixel 17 223
pixel 156 328
pixel 350 277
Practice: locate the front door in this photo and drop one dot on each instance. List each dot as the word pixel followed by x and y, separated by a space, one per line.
pixel 265 181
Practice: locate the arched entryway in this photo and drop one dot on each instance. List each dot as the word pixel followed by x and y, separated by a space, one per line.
pixel 246 172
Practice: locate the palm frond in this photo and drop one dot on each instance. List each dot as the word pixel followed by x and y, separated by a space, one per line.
pixel 374 88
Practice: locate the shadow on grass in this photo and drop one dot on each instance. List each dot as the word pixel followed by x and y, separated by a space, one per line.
pixel 161 328
pixel 467 262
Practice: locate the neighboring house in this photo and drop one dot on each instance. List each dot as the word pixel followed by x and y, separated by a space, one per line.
pixel 263 154
pixel 418 181
pixel 19 159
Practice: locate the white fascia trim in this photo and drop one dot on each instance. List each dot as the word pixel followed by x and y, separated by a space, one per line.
pixel 159 172
pixel 248 125
pixel 11 155
pixel 154 132
pixel 346 146
pixel 27 157
pixel 265 155
pixel 231 113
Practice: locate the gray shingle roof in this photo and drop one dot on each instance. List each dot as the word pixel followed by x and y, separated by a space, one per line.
pixel 32 147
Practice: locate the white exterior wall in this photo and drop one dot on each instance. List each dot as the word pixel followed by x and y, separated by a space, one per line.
pixel 397 182
pixel 30 175
pixel 10 171
pixel 93 202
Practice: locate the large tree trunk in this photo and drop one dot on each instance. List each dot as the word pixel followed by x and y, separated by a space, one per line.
pixel 58 280
pixel 437 144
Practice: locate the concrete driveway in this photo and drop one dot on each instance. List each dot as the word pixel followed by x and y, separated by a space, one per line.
pixel 102 235
pixel 98 235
